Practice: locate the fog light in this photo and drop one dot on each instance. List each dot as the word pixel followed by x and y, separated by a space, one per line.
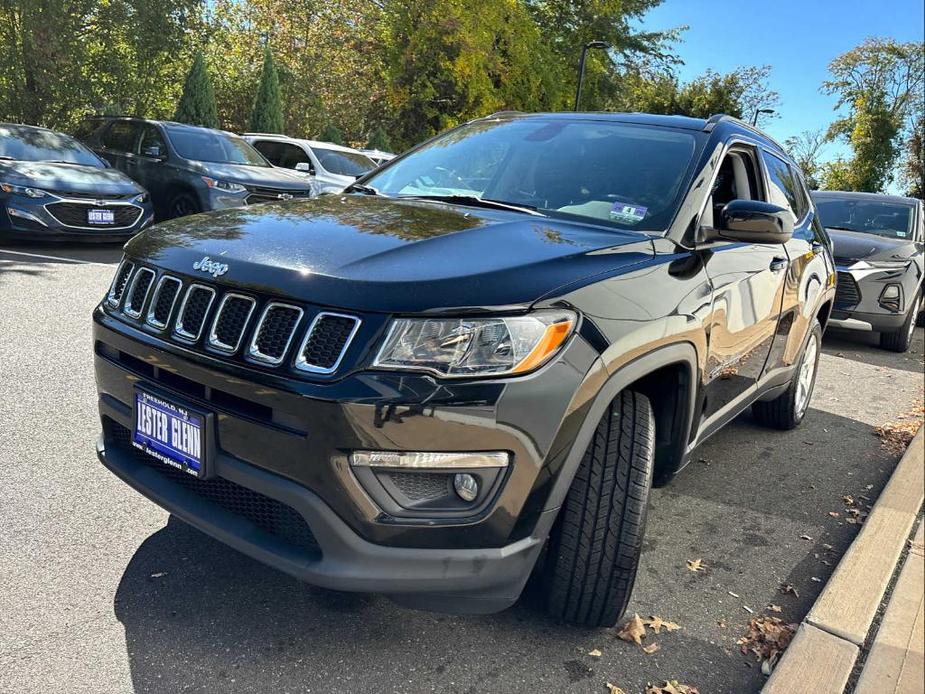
pixel 891 297
pixel 466 486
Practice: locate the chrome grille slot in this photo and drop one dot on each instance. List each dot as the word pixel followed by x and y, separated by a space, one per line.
pixel 326 342
pixel 119 282
pixel 141 283
pixel 274 333
pixel 165 296
pixel 230 320
pixel 193 311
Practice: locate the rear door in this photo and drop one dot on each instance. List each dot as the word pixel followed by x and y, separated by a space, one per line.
pixel 147 163
pixel 118 142
pixel 748 281
pixel 810 269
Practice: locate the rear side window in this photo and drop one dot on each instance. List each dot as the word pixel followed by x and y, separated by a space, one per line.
pixel 86 129
pixel 784 189
pixel 121 136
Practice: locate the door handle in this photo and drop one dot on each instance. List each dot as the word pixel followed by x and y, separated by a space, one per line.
pixel 779 264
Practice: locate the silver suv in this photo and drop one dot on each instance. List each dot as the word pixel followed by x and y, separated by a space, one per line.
pixel 333 167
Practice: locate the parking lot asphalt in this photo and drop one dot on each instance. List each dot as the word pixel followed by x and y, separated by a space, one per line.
pixel 100 591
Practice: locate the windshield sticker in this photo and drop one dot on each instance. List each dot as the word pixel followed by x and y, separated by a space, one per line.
pixel 901 234
pixel 627 214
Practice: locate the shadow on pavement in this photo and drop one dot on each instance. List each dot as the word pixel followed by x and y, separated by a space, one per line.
pixel 865 347
pixel 61 253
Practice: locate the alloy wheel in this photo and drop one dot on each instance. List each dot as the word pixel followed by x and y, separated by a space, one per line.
pixel 807 375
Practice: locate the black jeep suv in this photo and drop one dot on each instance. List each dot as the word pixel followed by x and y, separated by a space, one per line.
pixel 472 365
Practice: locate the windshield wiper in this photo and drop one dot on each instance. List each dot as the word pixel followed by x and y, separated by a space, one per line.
pixel 839 228
pixel 474 201
pixel 6 158
pixel 360 188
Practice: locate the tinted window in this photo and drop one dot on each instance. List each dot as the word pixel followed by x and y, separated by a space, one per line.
pixel 151 143
pixel 201 144
pixel 86 129
pixel 35 144
pixel 122 136
pixel 628 176
pixel 343 163
pixel 868 216
pixel 282 153
pixel 783 185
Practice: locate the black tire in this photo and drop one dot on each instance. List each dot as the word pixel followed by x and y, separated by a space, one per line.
pixel 784 411
pixel 595 544
pixel 184 204
pixel 900 340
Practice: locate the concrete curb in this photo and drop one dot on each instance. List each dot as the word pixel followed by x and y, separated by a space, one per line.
pixel 822 654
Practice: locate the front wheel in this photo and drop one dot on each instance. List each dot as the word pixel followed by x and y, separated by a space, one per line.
pixel 787 410
pixel 595 544
pixel 900 340
pixel 184 204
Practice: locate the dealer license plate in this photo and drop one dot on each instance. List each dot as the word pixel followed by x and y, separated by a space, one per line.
pixel 170 432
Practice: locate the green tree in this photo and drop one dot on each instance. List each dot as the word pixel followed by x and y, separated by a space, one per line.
pixel 913 168
pixel 197 103
pixel 268 108
pixel 806 150
pixel 379 139
pixel 331 133
pixel 880 84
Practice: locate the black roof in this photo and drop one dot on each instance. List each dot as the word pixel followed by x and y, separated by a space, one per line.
pixel 168 123
pixel 864 196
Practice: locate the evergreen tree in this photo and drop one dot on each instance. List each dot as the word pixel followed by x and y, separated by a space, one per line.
pixel 331 133
pixel 379 140
pixel 197 103
pixel 267 116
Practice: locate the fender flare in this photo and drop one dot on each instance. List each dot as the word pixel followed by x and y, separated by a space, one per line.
pixel 683 353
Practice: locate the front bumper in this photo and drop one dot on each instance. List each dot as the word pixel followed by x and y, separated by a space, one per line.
pixel 288 441
pixel 60 219
pixel 857 299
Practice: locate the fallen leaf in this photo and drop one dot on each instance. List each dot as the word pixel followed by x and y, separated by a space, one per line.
pixel 789 588
pixel 634 631
pixel 614 689
pixel 895 437
pixel 595 653
pixel 671 687
pixel 721 623
pixel 651 648
pixel 834 514
pixel 774 608
pixel 849 500
pixel 657 624
pixel 696 565
pixel 767 666
pixel 767 638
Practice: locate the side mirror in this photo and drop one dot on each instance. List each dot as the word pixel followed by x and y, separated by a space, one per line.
pixel 752 221
pixel 305 167
pixel 153 151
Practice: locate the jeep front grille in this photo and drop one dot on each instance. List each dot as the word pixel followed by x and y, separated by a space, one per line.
pixel 232 325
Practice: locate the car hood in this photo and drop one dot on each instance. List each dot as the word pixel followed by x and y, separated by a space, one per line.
pixel 374 254
pixel 271 177
pixel 851 246
pixel 67 178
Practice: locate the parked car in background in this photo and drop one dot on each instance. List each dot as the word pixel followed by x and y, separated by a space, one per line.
pixel 488 348
pixel 54 188
pixel 879 245
pixel 188 169
pixel 378 156
pixel 333 167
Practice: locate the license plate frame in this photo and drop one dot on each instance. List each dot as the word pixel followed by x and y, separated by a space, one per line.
pixel 163 426
pixel 101 217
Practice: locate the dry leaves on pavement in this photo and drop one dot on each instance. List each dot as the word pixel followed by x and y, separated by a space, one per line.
pixel 651 648
pixel 656 624
pixel 634 631
pixel 696 565
pixel 595 653
pixel 896 436
pixel 789 588
pixel 614 689
pixel 671 687
pixel 767 638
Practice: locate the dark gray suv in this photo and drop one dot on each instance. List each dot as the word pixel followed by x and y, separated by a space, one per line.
pixel 188 169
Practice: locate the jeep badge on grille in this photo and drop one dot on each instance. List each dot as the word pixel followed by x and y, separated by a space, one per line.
pixel 213 268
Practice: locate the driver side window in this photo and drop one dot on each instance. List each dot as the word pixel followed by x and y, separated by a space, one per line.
pixel 736 180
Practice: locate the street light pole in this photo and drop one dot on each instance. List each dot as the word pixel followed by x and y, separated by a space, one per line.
pixel 760 110
pixel 581 66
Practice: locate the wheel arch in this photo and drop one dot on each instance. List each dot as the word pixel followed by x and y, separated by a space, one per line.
pixel 668 377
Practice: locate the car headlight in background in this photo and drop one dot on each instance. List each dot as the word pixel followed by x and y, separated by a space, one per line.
pixel 225 186
pixel 141 198
pixel 461 347
pixel 23 190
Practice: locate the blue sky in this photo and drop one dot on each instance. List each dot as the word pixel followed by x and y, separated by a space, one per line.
pixel 796 38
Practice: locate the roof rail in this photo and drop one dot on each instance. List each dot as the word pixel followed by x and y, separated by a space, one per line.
pixel 717 118
pixel 507 112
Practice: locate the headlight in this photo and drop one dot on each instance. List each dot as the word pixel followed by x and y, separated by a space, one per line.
pixel 140 198
pixel 23 190
pixel 226 186
pixel 461 347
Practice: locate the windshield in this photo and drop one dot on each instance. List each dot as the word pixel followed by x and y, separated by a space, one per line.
pixel 343 163
pixel 214 146
pixel 618 174
pixel 890 219
pixel 33 144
